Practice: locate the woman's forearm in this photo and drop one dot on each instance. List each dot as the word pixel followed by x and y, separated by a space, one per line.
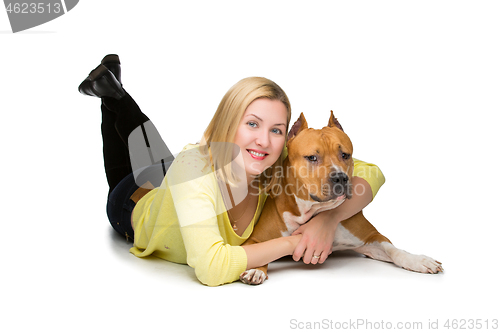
pixel 261 254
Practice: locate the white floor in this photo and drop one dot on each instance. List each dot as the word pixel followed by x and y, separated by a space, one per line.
pixel 81 279
pixel 415 86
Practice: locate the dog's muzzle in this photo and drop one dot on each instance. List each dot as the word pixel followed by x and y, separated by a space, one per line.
pixel 340 179
pixel 337 185
pixel 340 185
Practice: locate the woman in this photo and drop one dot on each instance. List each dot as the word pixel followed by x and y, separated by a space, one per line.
pixel 213 193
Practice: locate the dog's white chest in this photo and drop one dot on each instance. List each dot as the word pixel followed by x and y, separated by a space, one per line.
pixel 307 210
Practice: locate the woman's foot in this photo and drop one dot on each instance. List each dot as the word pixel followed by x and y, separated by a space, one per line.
pixel 112 62
pixel 102 83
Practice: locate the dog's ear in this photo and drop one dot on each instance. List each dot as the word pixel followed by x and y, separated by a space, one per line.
pixel 333 122
pixel 300 125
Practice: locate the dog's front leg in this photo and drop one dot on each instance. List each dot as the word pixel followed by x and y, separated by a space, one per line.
pixel 385 251
pixel 254 276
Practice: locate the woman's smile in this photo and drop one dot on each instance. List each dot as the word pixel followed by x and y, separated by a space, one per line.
pixel 257 154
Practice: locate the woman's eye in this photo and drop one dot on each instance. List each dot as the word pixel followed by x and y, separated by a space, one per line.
pixel 277 131
pixel 252 124
pixel 312 158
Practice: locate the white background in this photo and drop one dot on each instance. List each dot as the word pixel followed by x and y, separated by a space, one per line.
pixel 415 85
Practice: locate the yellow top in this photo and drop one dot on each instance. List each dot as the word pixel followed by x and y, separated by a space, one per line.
pixel 185 220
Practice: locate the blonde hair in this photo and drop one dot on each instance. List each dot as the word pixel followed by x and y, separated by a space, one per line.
pixel 224 125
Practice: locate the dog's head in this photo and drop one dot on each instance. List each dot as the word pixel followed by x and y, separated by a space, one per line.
pixel 321 160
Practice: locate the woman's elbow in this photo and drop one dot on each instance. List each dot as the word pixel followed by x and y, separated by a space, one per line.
pixel 210 277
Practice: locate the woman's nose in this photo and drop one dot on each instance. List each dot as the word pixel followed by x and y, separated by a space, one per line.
pixel 263 138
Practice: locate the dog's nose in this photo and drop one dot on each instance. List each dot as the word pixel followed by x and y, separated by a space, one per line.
pixel 339 178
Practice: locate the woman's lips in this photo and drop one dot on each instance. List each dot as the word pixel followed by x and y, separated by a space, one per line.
pixel 257 154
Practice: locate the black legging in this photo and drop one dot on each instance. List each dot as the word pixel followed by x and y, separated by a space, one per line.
pixel 119 119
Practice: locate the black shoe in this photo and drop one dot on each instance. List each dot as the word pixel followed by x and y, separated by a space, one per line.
pixel 102 83
pixel 112 62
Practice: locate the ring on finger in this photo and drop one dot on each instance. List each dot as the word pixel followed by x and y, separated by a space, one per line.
pixel 316 256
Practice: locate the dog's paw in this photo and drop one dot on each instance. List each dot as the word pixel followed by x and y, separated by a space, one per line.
pixel 253 276
pixel 422 264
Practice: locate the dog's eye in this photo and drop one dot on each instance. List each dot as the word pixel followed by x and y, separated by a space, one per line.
pixel 312 158
pixel 346 156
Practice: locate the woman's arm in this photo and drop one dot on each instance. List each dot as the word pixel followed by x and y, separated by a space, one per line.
pixel 319 232
pixel 261 254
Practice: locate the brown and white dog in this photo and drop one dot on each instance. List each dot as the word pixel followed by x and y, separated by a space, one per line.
pixel 317 177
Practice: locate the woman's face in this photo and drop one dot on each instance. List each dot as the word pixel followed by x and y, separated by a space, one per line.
pixel 261 134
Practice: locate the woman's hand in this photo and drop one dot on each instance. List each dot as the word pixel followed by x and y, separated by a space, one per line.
pixel 317 238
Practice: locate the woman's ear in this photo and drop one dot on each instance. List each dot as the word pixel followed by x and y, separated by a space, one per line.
pixel 300 125
pixel 333 122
